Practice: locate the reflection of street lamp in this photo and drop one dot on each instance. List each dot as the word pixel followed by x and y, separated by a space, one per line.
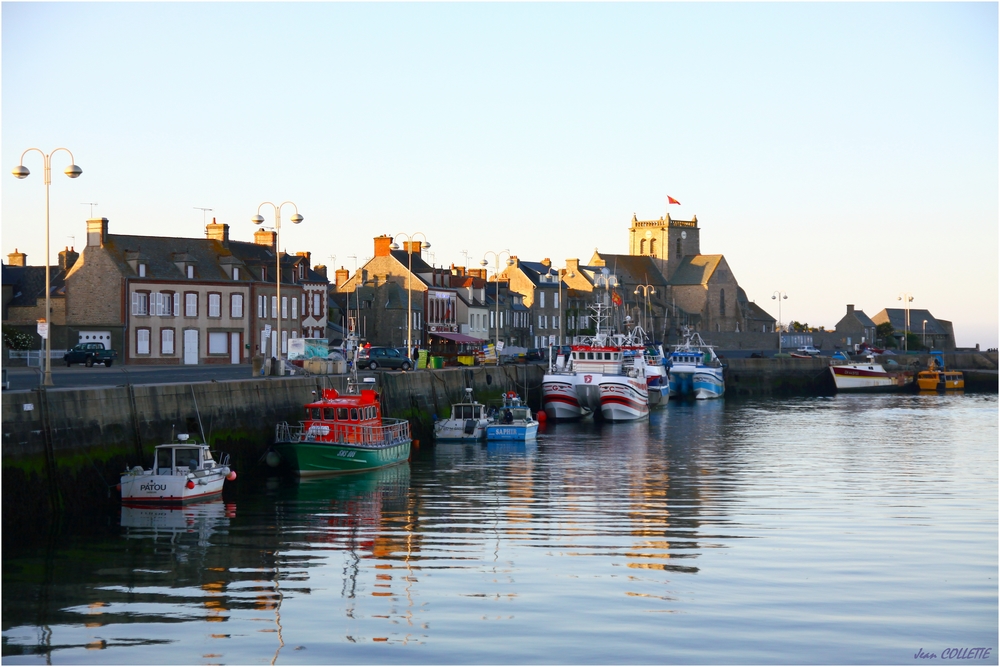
pixel 779 295
pixel 496 282
pixel 72 171
pixel 259 220
pixel 646 291
pixel 906 298
pixel 409 280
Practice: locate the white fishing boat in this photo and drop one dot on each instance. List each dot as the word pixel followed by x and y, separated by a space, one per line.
pixel 183 472
pixel 695 369
pixel 867 376
pixel 468 422
pixel 657 375
pixel 514 421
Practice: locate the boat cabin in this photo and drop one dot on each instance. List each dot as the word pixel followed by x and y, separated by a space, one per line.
pixel 182 458
pixel 589 359
pixel 353 417
pixel 468 411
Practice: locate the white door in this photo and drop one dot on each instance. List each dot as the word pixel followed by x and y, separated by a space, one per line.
pixel 190 346
pixel 234 348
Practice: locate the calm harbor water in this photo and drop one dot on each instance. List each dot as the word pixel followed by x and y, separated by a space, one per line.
pixel 838 530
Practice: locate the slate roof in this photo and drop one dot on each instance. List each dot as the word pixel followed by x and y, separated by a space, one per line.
pixel 897 317
pixel 695 269
pixel 758 313
pixel 28 283
pixel 632 269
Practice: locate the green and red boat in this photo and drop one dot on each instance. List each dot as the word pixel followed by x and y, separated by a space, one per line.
pixel 341 433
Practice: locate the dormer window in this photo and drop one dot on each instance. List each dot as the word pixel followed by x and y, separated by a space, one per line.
pixel 236 273
pixel 263 273
pixel 142 270
pixel 302 271
pixel 190 272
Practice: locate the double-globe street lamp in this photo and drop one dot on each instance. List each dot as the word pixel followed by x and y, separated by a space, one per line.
pixel 646 291
pixel 496 283
pixel 906 298
pixel 259 220
pixel 409 281
pixel 779 295
pixel 72 171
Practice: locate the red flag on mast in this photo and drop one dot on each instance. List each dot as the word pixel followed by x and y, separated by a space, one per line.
pixel 671 200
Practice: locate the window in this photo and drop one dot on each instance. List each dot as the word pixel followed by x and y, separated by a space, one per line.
pixel 317 306
pixel 142 270
pixel 555 300
pixel 260 306
pixel 295 307
pixel 642 246
pixel 177 304
pixel 190 304
pixel 190 272
pixel 166 341
pixel 142 341
pixel 263 273
pixel 284 307
pixel 236 306
pixel 140 303
pixel 214 304
pixel 274 306
pixel 722 303
pixel 284 341
pixel 162 304
pixel 555 321
pixel 236 273
pixel 680 252
pixel 218 342
pixel 541 299
pixel 652 246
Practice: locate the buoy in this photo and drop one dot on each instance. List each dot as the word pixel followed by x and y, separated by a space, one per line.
pixel 190 484
pixel 541 416
pixel 273 459
pixel 118 486
pixel 231 476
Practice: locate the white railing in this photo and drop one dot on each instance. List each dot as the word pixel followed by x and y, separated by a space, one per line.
pixel 390 433
pixel 35 357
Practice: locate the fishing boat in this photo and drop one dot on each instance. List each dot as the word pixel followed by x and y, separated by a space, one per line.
pixel 468 422
pixel 657 375
pixel 183 472
pixel 695 369
pixel 937 378
pixel 341 433
pixel 514 421
pixel 867 376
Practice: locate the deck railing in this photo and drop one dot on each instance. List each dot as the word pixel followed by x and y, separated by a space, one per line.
pixel 389 433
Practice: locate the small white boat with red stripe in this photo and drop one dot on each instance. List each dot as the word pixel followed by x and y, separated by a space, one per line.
pixel 183 472
pixel 868 376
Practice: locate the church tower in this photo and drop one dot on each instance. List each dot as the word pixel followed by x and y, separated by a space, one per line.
pixel 668 241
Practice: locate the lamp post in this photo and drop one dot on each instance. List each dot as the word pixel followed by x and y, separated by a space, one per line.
pixel 259 220
pixel 72 171
pixel 409 281
pixel 646 291
pixel 779 295
pixel 906 298
pixel 924 334
pixel 496 281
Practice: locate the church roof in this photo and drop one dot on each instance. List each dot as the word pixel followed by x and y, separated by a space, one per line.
pixel 695 269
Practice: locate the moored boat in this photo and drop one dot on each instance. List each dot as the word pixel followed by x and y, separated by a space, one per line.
pixel 867 376
pixel 183 472
pixel 695 369
pixel 467 422
pixel 341 433
pixel 937 378
pixel 513 422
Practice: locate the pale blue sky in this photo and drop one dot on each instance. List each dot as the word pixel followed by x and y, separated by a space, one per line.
pixel 841 152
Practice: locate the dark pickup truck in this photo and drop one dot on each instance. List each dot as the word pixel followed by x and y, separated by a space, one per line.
pixel 90 354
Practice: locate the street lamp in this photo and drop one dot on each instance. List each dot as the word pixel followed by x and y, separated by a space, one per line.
pixel 496 282
pixel 646 291
pixel 924 333
pixel 72 171
pixel 779 295
pixel 259 220
pixel 906 298
pixel 409 281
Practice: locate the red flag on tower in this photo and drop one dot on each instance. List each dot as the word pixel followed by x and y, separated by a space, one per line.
pixel 671 200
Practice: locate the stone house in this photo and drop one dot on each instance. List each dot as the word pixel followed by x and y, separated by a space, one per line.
pixel 24 297
pixel 854 328
pixel 936 334
pixel 542 288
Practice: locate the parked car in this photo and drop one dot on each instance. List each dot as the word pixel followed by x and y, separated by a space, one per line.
pixel 90 354
pixel 535 354
pixel 383 357
pixel 808 349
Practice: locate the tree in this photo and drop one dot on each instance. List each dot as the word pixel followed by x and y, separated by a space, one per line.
pixel 883 333
pixel 15 339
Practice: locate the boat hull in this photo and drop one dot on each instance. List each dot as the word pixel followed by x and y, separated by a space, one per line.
pixel 147 489
pixel 869 378
pixel 560 400
pixel 460 430
pixel 701 382
pixel 940 381
pixel 511 432
pixel 317 459
pixel 624 399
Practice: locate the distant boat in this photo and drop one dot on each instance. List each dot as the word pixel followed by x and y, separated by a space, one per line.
pixel 468 422
pixel 695 369
pixel 183 472
pixel 514 421
pixel 937 378
pixel 867 376
pixel 341 433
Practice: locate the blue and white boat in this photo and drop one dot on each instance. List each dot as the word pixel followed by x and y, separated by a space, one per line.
pixel 695 369
pixel 513 422
pixel 467 423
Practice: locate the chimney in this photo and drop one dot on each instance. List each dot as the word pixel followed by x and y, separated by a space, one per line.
pixel 850 308
pixel 573 266
pixel 17 259
pixel 67 258
pixel 412 246
pixel 382 244
pixel 342 275
pixel 321 270
pixel 308 257
pixel 264 237
pixel 547 262
pixel 97 232
pixel 217 232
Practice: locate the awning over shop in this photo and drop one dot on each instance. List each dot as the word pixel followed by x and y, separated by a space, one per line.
pixel 457 337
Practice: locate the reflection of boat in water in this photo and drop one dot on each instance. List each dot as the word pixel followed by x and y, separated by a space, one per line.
pixel 201 519
pixel 341 433
pixel 183 472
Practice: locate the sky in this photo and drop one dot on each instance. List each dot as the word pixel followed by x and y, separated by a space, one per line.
pixel 841 153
